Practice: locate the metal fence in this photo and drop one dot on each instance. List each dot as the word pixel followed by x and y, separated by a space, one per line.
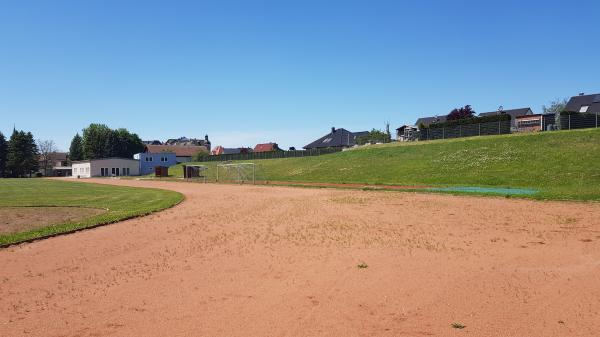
pixel 579 121
pixel 270 155
pixel 468 130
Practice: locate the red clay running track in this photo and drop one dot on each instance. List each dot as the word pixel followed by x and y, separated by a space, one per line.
pixel 280 261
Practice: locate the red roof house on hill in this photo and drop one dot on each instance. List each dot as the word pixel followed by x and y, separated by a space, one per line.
pixel 267 147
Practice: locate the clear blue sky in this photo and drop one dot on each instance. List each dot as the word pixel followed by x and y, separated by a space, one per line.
pixel 285 71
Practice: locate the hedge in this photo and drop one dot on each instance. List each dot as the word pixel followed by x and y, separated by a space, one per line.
pixel 473 120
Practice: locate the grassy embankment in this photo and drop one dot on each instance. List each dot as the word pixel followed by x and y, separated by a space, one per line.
pixel 561 165
pixel 117 202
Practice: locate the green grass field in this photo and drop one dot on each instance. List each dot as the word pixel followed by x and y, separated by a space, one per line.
pixel 121 202
pixel 562 165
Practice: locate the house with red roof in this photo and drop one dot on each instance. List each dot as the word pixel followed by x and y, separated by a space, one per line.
pixel 267 147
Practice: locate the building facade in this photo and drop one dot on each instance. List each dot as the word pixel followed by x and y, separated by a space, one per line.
pixel 106 167
pixel 148 161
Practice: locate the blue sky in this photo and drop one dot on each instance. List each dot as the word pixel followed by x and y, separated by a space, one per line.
pixel 286 71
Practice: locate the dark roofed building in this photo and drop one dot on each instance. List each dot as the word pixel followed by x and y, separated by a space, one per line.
pixel 584 103
pixel 426 121
pixel 514 113
pixel 336 138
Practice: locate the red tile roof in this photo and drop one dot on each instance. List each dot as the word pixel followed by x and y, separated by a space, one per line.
pixel 179 150
pixel 267 147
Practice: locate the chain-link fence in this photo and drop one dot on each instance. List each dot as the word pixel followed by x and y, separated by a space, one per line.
pixel 467 130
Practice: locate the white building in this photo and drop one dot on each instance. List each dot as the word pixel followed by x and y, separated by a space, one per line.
pixel 106 167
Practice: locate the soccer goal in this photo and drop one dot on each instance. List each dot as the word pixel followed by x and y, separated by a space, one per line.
pixel 239 173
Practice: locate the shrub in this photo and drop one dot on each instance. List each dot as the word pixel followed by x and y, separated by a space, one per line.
pixel 473 120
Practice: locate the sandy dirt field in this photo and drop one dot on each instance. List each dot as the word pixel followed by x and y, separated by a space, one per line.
pixel 280 261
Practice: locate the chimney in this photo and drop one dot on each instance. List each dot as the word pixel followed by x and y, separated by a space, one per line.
pixel 206 138
pixel 332 129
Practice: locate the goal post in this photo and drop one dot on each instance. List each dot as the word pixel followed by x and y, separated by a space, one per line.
pixel 239 173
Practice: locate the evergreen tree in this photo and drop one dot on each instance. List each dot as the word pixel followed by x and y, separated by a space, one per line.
pixel 3 153
pixel 32 162
pixel 76 148
pixel 22 154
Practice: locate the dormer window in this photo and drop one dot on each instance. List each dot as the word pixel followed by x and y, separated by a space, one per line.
pixel 584 108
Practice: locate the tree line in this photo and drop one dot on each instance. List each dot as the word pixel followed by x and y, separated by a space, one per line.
pixel 18 155
pixel 100 141
pixel 21 156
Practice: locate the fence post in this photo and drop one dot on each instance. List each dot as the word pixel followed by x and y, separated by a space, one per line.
pixel 479 124
pixel 444 133
pixel 569 122
pixel 498 127
pixel 459 130
pixel 596 118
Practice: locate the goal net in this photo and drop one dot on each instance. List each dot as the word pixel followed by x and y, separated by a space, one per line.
pixel 237 173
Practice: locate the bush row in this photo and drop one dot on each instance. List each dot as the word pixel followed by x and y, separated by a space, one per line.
pixel 473 120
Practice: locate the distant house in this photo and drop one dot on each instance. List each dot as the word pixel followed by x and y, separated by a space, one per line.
pixel 152 142
pixel 149 161
pixel 267 147
pixel 426 121
pixel 407 133
pixel 183 153
pixel 184 141
pixel 219 150
pixel 584 103
pixel 58 165
pixel 336 138
pixel 514 113
pixel 106 167
pixel 535 122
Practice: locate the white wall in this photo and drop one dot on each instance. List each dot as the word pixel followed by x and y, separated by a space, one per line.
pixel 82 170
pixel 93 168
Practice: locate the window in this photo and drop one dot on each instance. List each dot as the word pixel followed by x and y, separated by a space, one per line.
pixel 125 171
pixel 326 140
pixel 584 108
pixel 74 170
pixel 149 159
pixel 164 159
pixel 87 169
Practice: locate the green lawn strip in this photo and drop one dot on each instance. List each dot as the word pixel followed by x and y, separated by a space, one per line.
pixel 563 165
pixel 121 202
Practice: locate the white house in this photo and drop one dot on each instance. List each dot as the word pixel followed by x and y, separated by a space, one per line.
pixel 106 167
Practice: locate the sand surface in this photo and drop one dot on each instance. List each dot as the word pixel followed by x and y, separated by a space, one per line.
pixel 281 261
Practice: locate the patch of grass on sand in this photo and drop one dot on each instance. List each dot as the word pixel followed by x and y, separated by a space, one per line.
pixel 458 326
pixel 363 266
pixel 119 201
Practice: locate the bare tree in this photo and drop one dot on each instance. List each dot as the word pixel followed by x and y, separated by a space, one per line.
pixel 47 150
pixel 556 107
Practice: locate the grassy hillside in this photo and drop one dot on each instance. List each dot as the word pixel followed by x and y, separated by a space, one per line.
pixel 562 165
